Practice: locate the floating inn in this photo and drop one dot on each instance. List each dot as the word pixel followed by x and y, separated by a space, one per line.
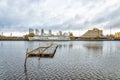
pixel 49 36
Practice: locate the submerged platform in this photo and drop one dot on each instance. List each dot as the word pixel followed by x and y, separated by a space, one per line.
pixel 47 50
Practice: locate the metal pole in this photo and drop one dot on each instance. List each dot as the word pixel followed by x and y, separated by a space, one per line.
pixel 110 32
pixel 2 33
pixel 26 57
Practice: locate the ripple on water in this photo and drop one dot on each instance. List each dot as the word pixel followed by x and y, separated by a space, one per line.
pixel 72 61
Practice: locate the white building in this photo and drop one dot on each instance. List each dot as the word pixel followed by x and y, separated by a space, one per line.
pixel 49 38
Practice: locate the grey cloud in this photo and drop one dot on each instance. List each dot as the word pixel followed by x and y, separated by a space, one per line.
pixel 114 24
pixel 85 2
pixel 14 29
pixel 71 25
pixel 112 18
pixel 22 14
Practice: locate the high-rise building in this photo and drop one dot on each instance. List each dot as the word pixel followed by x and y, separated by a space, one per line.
pixel 50 32
pixel 10 34
pixel 95 33
pixel 60 33
pixel 31 30
pixel 36 31
pixel 42 32
pixel 2 33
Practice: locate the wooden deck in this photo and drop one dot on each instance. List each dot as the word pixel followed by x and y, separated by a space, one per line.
pixel 47 50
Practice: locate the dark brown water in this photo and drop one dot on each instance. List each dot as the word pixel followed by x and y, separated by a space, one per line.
pixel 75 60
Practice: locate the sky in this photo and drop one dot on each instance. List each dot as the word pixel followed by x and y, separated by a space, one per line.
pixel 77 16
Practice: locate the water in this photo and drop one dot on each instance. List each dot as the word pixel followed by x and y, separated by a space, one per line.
pixel 74 60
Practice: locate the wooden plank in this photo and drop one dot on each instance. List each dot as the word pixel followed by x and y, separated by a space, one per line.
pixel 50 51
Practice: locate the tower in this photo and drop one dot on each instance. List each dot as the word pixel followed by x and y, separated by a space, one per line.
pixel 42 32
pixel 31 30
pixel 36 31
pixel 60 33
pixel 50 32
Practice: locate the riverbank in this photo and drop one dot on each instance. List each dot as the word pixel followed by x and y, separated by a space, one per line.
pixel 13 39
pixel 22 39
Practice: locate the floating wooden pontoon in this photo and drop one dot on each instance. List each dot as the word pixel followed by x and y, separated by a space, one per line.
pixel 47 50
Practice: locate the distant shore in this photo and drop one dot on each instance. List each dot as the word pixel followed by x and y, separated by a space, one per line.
pixel 62 40
pixel 13 40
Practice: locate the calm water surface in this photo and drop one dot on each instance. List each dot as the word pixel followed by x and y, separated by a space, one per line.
pixel 75 60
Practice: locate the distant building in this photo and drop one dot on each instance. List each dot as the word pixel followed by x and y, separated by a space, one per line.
pixel 36 31
pixel 50 32
pixel 111 36
pixel 95 33
pixel 117 35
pixel 31 30
pixel 10 34
pixel 42 32
pixel 60 33
pixel 2 34
pixel 65 34
pixel 58 38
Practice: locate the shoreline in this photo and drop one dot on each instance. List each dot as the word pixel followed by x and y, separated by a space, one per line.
pixel 61 40
pixel 14 40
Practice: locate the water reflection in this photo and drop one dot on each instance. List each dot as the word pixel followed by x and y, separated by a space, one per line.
pixel 70 46
pixel 25 68
pixel 25 71
pixel 94 47
pixel 31 45
pixel 28 65
pixel 1 44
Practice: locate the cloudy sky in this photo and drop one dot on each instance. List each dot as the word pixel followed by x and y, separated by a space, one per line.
pixel 18 16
